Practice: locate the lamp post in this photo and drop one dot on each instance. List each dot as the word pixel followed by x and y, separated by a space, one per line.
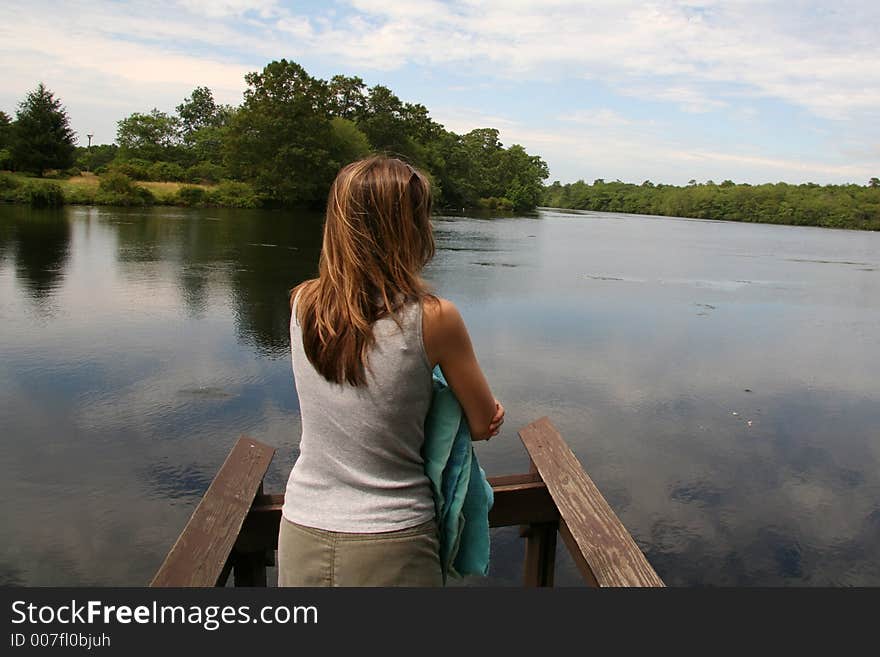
pixel 90 150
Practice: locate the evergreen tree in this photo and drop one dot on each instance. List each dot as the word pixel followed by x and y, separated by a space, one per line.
pixel 5 140
pixel 42 137
pixel 5 130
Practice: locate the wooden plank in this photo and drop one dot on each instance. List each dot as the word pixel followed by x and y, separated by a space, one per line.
pixel 269 499
pixel 594 534
pixel 522 504
pixel 512 479
pixel 227 569
pixel 519 499
pixel 575 551
pixel 203 547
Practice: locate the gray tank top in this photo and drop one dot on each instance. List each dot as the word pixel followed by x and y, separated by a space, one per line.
pixel 360 467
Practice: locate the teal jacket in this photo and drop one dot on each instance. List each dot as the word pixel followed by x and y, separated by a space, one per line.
pixel 462 495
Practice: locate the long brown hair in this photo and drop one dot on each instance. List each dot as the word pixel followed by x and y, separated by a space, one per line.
pixel 377 238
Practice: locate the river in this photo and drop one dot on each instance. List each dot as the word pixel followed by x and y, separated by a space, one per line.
pixel 719 381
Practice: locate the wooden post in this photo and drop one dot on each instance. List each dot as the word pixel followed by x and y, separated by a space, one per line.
pixel 249 561
pixel 202 555
pixel 540 560
pixel 249 568
pixel 602 548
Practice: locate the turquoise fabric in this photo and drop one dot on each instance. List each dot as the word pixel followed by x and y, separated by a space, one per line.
pixel 462 495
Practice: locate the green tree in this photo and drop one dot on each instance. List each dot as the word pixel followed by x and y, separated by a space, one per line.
pixel 203 126
pixel 347 142
pixel 347 99
pixel 383 121
pixel 279 139
pixel 483 150
pixel 42 138
pixel 98 155
pixel 152 137
pixel 874 182
pixel 199 110
pixel 522 176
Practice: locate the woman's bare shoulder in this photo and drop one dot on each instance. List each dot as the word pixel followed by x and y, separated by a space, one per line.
pixel 443 329
pixel 439 312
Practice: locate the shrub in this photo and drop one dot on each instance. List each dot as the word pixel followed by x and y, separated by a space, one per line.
pixel 166 171
pixel 494 203
pixel 8 182
pixel 117 183
pixel 191 196
pixel 80 194
pixel 118 189
pixel 134 168
pixel 9 185
pixel 165 196
pixel 61 174
pixel 231 194
pixel 205 172
pixel 43 195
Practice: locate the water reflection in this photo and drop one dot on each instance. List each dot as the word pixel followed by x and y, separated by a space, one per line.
pixel 717 380
pixel 38 241
pixel 251 257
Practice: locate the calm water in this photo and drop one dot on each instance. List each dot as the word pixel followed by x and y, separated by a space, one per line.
pixel 718 381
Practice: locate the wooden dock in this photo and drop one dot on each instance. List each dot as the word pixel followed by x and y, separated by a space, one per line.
pixel 234 528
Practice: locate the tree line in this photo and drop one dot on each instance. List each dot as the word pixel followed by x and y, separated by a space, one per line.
pixel 286 140
pixel 809 204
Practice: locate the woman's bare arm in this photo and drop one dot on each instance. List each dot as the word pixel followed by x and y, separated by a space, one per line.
pixel 448 344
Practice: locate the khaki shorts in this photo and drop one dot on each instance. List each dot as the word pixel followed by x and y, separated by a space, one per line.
pixel 316 557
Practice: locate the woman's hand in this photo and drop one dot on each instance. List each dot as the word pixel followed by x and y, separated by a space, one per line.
pixel 497 420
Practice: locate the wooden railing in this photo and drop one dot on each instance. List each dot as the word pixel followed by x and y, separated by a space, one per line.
pixel 234 529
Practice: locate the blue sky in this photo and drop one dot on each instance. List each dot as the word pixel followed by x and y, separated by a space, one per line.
pixel 666 91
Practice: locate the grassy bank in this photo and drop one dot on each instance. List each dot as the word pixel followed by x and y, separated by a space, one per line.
pixel 120 190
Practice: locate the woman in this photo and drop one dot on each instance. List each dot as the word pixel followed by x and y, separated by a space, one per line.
pixel 365 337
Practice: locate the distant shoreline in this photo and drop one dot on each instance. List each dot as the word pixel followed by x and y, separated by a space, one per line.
pixel 852 207
pixel 85 189
pixel 116 190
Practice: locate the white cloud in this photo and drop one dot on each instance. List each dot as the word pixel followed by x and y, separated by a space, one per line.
pixel 108 59
pixel 223 8
pixel 667 51
pixel 600 118
pixel 602 143
pixel 768 50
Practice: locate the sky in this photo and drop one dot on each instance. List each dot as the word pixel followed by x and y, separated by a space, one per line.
pixel 663 91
